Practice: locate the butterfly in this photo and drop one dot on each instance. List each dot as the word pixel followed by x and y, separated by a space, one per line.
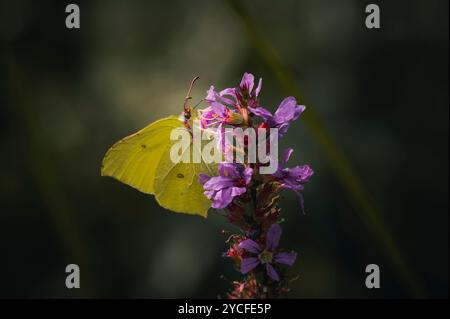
pixel 142 160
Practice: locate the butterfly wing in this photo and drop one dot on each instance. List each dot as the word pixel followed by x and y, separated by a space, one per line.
pixel 177 187
pixel 134 159
pixel 142 160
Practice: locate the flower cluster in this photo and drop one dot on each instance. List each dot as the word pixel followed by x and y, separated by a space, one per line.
pixel 248 198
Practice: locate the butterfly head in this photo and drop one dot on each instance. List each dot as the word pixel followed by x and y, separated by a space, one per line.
pixel 185 116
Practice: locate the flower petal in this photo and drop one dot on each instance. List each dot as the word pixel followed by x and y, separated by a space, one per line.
pixel 217 183
pixel 302 173
pixel 288 111
pixel 237 191
pixel 209 194
pixel 228 170
pixel 219 109
pixel 222 198
pixel 228 92
pixel 203 178
pixel 286 155
pixel 247 82
pixel 285 258
pixel 250 245
pixel 272 273
pixel 258 88
pixel 248 264
pixel 282 128
pixel 211 94
pixel 273 237
pixel 261 112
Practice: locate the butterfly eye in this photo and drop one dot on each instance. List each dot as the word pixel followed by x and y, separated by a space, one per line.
pixel 187 115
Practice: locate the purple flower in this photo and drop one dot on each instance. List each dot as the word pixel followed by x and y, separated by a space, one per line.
pixel 266 256
pixel 218 114
pixel 293 178
pixel 222 97
pixel 244 95
pixel 215 114
pixel 287 112
pixel 231 182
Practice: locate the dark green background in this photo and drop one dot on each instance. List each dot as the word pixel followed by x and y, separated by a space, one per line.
pixel 67 95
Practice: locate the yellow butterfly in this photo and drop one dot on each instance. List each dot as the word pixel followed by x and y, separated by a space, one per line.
pixel 142 160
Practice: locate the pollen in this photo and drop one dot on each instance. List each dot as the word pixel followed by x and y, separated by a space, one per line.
pixel 265 257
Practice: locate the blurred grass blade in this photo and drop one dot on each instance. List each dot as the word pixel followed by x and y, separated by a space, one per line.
pixel 42 165
pixel 350 181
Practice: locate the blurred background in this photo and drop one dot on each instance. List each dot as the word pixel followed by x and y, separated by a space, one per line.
pixel 380 97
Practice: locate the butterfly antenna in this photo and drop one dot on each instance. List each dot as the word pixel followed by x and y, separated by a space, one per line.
pixel 188 96
pixel 198 104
